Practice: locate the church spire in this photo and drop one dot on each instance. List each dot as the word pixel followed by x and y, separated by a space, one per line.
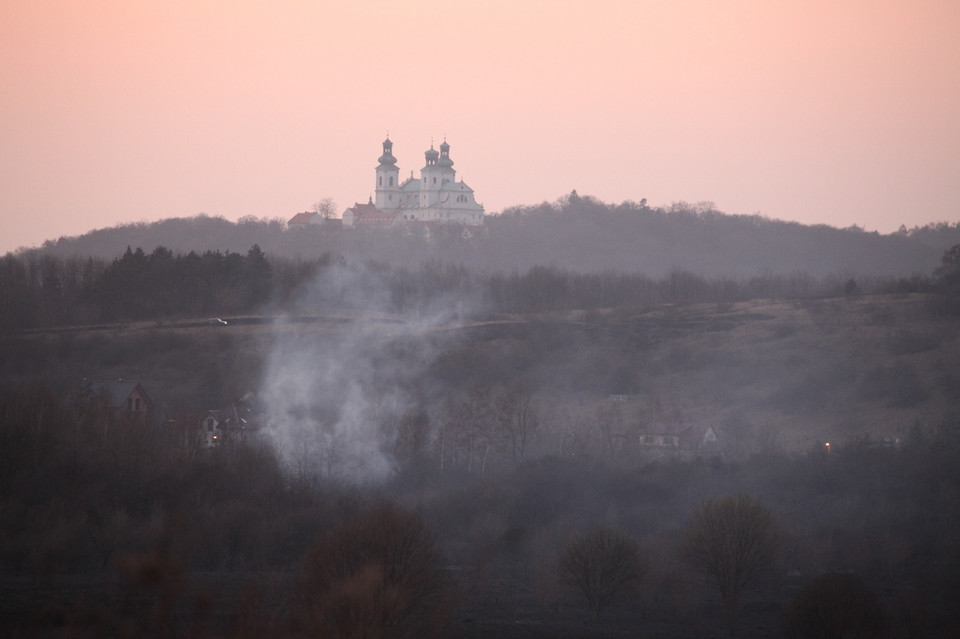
pixel 387 157
pixel 445 154
pixel 388 179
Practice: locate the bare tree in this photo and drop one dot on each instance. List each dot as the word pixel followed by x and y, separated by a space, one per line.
pixel 731 539
pixel 517 415
pixel 465 436
pixel 601 565
pixel 326 208
pixel 377 575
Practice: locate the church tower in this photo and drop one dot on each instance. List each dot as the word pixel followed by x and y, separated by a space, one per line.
pixel 388 180
pixel 447 172
pixel 431 178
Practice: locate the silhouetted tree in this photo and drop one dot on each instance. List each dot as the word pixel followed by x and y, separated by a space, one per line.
pixel 601 565
pixel 377 575
pixel 517 415
pixel 947 275
pixel 326 208
pixel 731 539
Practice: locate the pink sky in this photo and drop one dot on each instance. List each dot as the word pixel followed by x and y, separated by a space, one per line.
pixel 838 112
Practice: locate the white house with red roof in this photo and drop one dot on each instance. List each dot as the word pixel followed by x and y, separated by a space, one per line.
pixel 368 215
pixel 436 196
pixel 307 218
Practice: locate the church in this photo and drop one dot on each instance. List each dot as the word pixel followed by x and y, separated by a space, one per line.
pixel 436 197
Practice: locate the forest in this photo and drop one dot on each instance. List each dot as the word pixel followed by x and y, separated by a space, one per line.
pixel 443 447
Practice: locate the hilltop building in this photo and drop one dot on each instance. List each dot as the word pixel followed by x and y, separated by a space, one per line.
pixel 436 196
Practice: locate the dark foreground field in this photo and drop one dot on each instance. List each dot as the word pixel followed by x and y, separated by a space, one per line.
pixel 505 439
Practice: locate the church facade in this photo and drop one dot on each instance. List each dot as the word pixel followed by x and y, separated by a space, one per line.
pixel 435 197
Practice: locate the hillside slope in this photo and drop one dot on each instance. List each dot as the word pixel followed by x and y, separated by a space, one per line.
pixel 574 233
pixel 769 373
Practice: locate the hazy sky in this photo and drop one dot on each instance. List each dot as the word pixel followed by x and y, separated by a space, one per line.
pixel 834 111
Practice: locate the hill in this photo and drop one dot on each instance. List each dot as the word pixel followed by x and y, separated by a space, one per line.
pixel 574 233
pixel 765 373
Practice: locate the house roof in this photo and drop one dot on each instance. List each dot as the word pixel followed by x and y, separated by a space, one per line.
pixel 368 214
pixel 115 392
pixel 699 436
pixel 302 218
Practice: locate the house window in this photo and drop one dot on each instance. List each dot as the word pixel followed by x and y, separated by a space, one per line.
pixel 136 405
pixel 391 180
pixel 379 180
pixel 129 403
pixel 434 180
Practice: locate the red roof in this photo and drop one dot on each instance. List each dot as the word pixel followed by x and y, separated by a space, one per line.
pixel 368 214
pixel 302 218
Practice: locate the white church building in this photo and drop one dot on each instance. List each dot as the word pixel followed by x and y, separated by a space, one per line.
pixel 435 197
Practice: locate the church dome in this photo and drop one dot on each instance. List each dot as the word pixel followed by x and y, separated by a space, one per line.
pixel 387 157
pixel 431 153
pixel 444 148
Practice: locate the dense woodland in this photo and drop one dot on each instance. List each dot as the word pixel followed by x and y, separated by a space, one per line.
pixel 448 447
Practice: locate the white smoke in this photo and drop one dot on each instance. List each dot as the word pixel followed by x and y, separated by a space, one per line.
pixel 335 386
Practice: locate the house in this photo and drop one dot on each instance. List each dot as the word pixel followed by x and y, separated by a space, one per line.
pixel 210 433
pixel 232 424
pixel 668 441
pixel 693 441
pixel 701 441
pixel 124 398
pixel 436 196
pixel 305 219
pixel 658 444
pixel 369 216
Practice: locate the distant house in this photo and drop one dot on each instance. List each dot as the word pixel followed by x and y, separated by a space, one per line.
pixel 210 433
pixel 692 441
pixel 233 424
pixel 663 442
pixel 668 441
pixel 120 396
pixel 369 216
pixel 701 441
pixel 307 218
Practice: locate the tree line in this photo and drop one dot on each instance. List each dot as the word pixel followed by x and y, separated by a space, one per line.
pixel 42 290
pixel 577 233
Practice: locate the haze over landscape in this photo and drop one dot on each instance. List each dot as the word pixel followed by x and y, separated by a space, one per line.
pixel 819 112
pixel 695 374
